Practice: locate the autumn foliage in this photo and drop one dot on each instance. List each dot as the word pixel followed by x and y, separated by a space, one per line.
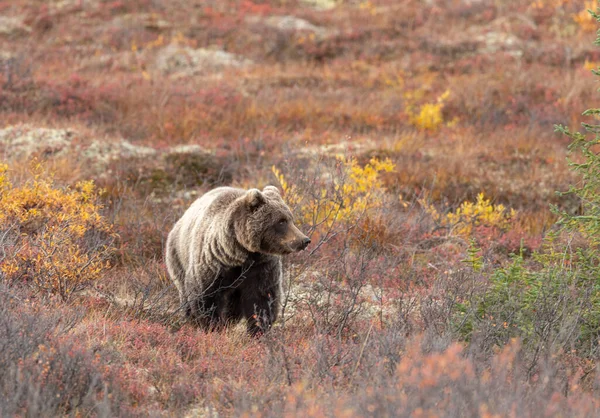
pixel 453 269
pixel 54 239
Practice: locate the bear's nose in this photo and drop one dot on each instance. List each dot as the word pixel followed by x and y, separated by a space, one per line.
pixel 305 243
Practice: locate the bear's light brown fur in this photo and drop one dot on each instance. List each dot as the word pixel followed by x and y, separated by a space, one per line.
pixel 223 256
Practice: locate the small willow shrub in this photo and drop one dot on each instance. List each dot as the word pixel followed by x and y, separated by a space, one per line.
pixel 350 194
pixel 471 215
pixel 429 116
pixel 53 239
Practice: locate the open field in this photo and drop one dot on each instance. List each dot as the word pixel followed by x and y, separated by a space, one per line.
pixel 415 143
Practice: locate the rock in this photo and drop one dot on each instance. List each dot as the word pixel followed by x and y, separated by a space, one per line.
pixel 159 170
pixel 320 4
pixel 6 57
pixel 200 411
pixel 13 27
pixel 181 61
pixel 494 41
pixel 290 24
pixel 61 5
pixel 187 149
pixel 99 154
pixel 24 141
pixel 480 40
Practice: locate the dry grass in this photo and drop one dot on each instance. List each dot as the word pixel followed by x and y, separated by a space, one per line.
pixel 460 96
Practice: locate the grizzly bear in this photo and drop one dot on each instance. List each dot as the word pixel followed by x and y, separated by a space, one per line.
pixel 224 256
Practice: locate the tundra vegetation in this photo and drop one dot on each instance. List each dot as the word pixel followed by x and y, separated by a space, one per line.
pixel 435 153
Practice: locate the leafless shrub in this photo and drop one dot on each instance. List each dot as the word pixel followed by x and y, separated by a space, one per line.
pixel 42 371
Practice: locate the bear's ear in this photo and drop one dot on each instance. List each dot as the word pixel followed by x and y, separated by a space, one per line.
pixel 254 198
pixel 271 189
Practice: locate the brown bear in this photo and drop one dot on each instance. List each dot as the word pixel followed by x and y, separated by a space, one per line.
pixel 224 256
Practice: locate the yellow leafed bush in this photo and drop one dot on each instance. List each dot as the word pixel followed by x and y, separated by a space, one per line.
pixel 347 197
pixel 472 214
pixel 584 19
pixel 53 239
pixel 429 117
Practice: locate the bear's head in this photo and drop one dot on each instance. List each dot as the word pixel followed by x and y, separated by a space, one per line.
pixel 265 224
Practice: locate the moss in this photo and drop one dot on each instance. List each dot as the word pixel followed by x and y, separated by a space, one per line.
pixel 175 172
pixel 196 169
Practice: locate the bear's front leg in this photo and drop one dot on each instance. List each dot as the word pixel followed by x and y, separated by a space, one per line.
pixel 261 310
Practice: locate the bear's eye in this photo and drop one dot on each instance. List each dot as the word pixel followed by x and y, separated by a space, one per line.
pixel 282 221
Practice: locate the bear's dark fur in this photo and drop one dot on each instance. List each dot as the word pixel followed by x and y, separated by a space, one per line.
pixel 224 256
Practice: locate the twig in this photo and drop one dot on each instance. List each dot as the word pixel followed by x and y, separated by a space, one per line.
pixel 362 350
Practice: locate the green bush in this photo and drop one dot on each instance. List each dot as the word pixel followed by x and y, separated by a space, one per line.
pixel 551 301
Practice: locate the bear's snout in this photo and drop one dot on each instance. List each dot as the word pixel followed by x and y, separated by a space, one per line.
pixel 301 244
pixel 295 239
pixel 305 243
